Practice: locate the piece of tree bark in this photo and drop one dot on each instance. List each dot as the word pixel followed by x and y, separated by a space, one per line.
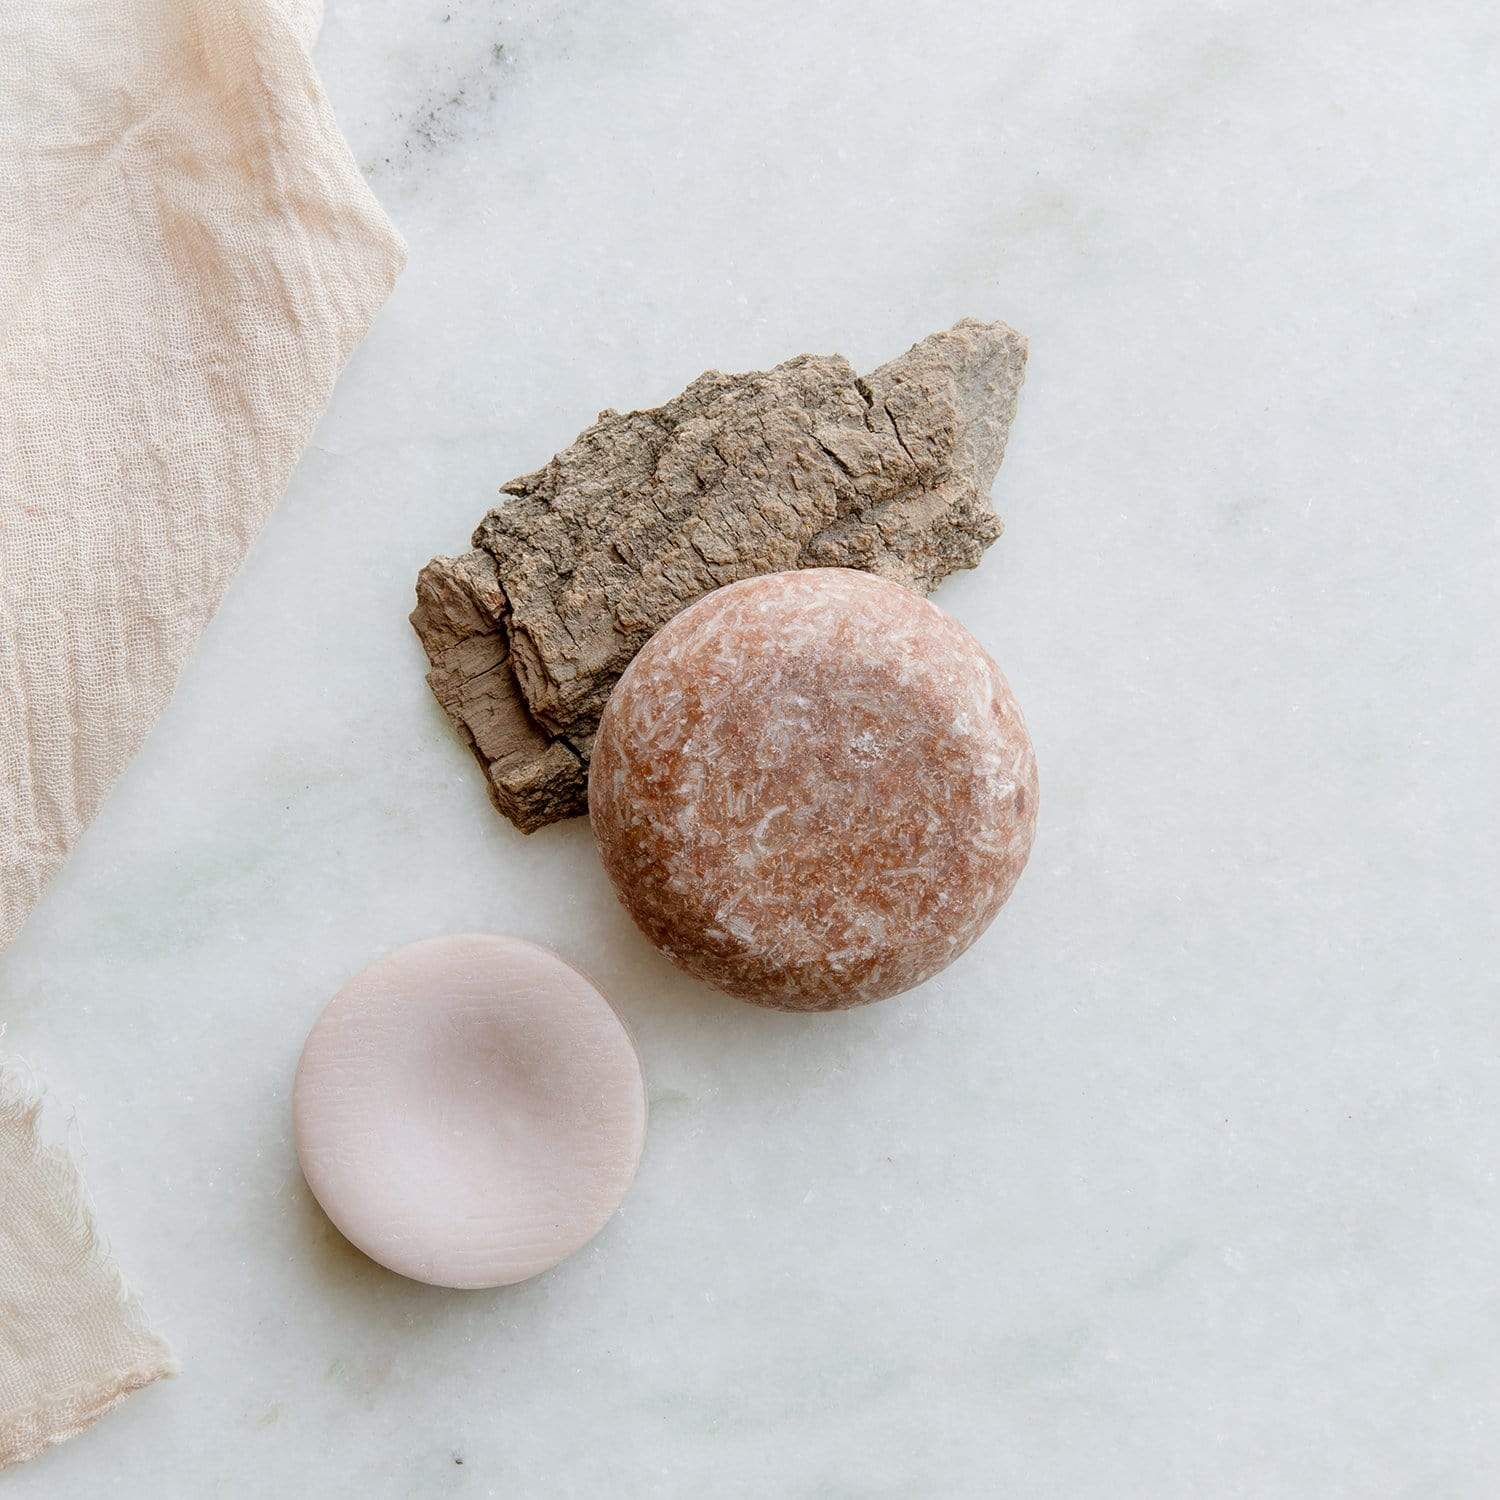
pixel 806 465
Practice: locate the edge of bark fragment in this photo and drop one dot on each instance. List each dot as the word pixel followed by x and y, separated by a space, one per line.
pixel 536 769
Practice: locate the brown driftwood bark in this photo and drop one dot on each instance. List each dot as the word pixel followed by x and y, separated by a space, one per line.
pixel 806 465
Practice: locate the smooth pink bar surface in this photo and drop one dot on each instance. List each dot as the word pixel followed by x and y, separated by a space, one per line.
pixel 469 1110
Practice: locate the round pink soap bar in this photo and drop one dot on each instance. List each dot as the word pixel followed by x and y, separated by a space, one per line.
pixel 469 1111
pixel 813 789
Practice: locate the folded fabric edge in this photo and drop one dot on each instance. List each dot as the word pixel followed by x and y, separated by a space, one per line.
pixel 143 1356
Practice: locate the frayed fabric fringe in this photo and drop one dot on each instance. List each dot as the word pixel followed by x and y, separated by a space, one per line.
pixel 73 1339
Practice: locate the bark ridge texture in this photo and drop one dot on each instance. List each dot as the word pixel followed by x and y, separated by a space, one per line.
pixel 807 465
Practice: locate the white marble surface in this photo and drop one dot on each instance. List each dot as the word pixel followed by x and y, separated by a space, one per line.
pixel 1182 1183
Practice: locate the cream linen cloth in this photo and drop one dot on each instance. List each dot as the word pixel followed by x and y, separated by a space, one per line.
pixel 188 254
pixel 73 1341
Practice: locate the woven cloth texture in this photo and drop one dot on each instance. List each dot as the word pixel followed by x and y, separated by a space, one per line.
pixel 188 254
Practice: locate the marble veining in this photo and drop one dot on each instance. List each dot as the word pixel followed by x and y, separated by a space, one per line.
pixel 1180 1182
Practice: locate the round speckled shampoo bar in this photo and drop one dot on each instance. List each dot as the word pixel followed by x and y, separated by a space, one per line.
pixel 813 789
pixel 469 1111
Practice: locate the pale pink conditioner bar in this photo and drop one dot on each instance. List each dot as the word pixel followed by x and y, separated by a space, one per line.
pixel 469 1111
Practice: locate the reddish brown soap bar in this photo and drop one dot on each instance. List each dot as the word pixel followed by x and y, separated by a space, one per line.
pixel 813 789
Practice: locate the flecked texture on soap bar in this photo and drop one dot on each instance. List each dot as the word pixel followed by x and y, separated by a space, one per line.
pixel 813 789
